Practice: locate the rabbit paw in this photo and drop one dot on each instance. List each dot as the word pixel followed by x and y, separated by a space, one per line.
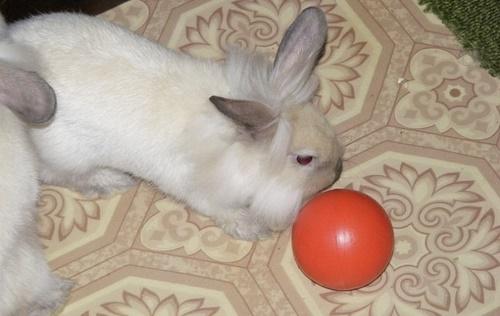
pixel 106 182
pixel 244 227
pixel 53 298
pixel 99 183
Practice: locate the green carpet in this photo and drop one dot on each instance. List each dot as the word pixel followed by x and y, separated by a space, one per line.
pixel 476 23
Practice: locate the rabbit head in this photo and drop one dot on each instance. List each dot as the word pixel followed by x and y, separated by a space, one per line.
pixel 272 103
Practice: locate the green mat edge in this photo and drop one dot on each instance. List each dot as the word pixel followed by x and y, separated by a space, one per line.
pixel 487 55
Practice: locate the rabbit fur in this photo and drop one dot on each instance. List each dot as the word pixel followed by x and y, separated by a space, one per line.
pixel 237 141
pixel 27 285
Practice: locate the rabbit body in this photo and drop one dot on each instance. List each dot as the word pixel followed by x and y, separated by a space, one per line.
pixel 27 286
pixel 126 104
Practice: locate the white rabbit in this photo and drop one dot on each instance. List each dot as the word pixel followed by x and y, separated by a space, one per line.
pixel 248 159
pixel 27 286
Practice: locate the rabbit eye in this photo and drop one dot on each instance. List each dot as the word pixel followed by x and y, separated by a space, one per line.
pixel 304 160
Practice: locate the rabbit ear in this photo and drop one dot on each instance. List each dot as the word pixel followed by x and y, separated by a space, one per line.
pixel 26 94
pixel 299 50
pixel 252 115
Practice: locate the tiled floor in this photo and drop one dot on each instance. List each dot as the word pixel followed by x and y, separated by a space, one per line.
pixel 420 123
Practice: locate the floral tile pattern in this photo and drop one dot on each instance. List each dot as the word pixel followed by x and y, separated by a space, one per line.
pixel 420 122
pixel 449 94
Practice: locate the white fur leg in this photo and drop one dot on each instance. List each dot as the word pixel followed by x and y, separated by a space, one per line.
pixel 53 298
pixel 27 285
pixel 101 182
pixel 238 224
pixel 105 182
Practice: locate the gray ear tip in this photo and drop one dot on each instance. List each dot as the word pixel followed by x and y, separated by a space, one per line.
pixel 49 116
pixel 216 99
pixel 38 118
pixel 315 15
pixel 313 10
pixel 49 105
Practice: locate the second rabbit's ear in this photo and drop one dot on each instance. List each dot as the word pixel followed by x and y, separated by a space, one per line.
pixel 299 50
pixel 26 94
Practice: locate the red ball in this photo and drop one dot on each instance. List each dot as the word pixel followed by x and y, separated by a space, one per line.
pixel 342 239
